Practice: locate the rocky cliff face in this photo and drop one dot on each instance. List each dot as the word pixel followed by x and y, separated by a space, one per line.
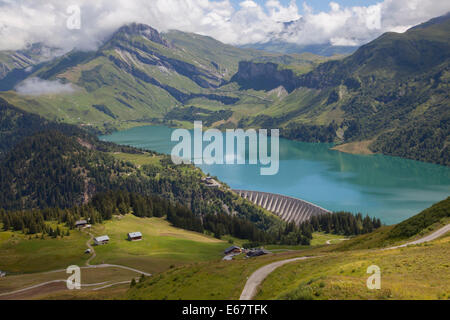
pixel 264 76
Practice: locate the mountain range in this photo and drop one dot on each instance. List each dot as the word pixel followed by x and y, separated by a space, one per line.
pixel 389 96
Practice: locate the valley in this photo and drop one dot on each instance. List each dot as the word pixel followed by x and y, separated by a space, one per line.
pixel 87 178
pixel 378 185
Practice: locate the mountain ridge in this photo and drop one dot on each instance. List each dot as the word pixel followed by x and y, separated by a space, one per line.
pixel 393 90
pixel 392 86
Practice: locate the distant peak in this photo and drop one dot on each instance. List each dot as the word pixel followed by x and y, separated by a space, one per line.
pixel 143 30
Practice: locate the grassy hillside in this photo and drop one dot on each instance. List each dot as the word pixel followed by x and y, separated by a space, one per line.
pixel 413 273
pixel 409 273
pixel 337 271
pixel 21 253
pixel 16 124
pixel 220 280
pixel 438 214
pixel 417 226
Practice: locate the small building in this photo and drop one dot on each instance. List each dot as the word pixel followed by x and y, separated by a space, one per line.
pixel 231 250
pixel 87 251
pixel 2 274
pixel 81 224
pixel 135 236
pixel 257 253
pixel 101 240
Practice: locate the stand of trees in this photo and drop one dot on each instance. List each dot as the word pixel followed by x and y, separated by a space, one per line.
pixel 224 224
pixel 102 207
pixel 344 223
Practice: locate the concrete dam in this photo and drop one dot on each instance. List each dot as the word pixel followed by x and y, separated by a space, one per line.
pixel 287 208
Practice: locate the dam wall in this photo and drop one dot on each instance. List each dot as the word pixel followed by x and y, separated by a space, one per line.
pixel 287 208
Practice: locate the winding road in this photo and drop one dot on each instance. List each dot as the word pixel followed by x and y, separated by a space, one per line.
pixel 88 244
pixel 438 233
pixel 251 286
pixel 257 277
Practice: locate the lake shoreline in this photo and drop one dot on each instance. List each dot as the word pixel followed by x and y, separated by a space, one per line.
pixel 389 188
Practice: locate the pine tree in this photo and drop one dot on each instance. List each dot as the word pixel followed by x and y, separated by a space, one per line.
pixel 6 223
pixel 33 228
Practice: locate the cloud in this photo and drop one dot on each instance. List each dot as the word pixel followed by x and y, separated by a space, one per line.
pixel 359 25
pixel 36 87
pixel 29 21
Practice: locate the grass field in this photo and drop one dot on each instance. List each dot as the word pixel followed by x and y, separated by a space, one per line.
pixel 320 238
pixel 25 254
pixel 162 245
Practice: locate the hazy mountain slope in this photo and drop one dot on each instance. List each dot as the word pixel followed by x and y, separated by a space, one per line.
pixel 139 75
pixel 213 54
pixel 135 75
pixel 16 124
pixel 326 50
pixel 17 65
pixel 393 90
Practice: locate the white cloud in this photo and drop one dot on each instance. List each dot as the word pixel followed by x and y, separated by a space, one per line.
pixel 37 87
pixel 29 21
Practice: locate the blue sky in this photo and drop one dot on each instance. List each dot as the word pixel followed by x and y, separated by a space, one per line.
pixel 319 5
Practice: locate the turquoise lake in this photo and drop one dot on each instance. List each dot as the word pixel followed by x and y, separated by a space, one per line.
pixel 390 188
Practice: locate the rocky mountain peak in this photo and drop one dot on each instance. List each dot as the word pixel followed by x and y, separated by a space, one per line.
pixel 143 30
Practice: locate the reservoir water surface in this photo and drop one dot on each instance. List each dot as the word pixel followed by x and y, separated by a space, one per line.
pixel 390 188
